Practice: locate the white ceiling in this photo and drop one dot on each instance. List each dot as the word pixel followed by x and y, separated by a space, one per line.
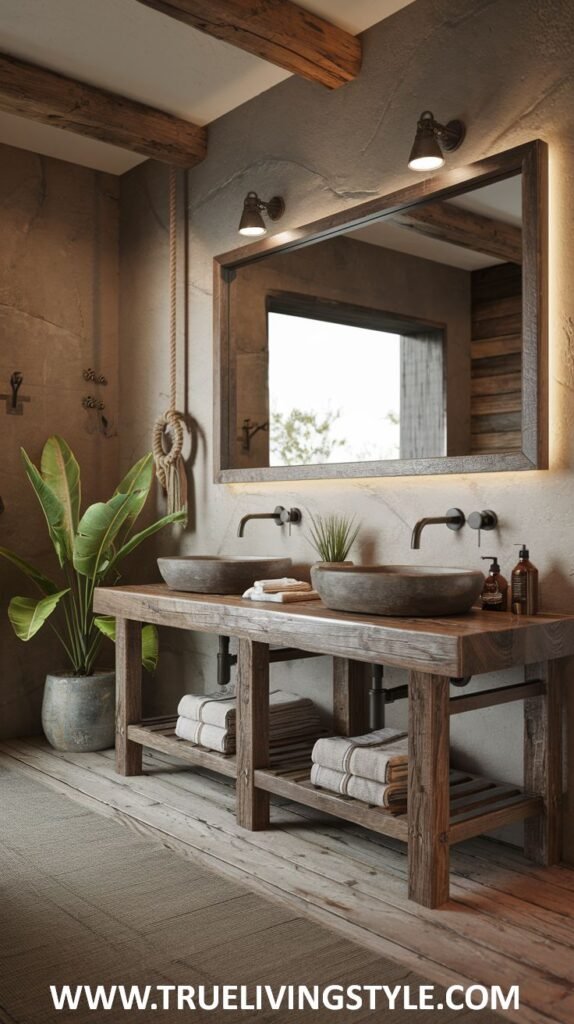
pixel 124 47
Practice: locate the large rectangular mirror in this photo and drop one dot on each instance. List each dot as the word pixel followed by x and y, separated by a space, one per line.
pixel 405 336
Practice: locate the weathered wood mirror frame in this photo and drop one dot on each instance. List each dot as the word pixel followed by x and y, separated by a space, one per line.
pixel 530 160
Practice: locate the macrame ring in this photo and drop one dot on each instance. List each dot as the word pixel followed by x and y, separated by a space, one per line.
pixel 171 422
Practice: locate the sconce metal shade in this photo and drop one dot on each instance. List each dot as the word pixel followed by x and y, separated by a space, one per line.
pixel 252 223
pixel 431 140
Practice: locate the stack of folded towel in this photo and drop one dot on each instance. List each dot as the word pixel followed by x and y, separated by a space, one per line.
pixel 372 768
pixel 210 721
pixel 283 591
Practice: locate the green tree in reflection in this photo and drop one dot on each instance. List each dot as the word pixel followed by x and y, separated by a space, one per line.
pixel 303 438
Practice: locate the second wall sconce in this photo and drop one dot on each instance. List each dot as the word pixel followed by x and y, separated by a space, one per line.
pixel 432 139
pixel 252 224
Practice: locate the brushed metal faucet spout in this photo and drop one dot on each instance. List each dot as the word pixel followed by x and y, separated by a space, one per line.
pixel 454 520
pixel 280 515
pixel 252 515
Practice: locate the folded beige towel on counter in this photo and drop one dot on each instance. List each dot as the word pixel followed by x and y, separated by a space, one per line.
pixel 381 755
pixel 222 711
pixel 284 585
pixel 393 797
pixel 282 596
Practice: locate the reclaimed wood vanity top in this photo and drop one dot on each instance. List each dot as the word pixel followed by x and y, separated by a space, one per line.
pixel 457 645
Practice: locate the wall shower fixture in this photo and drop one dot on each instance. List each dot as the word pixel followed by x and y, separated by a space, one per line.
pixel 432 139
pixel 252 224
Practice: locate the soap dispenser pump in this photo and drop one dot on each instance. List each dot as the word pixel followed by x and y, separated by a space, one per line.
pixel 524 584
pixel 494 596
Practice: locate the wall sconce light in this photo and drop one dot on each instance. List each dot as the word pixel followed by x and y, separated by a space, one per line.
pixel 432 139
pixel 252 223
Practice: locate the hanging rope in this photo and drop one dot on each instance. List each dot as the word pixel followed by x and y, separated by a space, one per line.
pixel 169 432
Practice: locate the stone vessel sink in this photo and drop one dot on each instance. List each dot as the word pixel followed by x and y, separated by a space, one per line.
pixel 209 574
pixel 409 590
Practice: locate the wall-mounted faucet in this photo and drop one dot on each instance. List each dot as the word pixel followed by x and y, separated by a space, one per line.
pixel 280 515
pixel 454 519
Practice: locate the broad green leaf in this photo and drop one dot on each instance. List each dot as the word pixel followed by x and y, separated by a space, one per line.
pixel 137 479
pixel 42 582
pixel 28 616
pixel 52 508
pixel 136 540
pixel 150 643
pixel 61 472
pixel 97 530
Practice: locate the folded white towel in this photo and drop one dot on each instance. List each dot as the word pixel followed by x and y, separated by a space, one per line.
pixel 381 755
pixel 284 585
pixel 392 797
pixel 210 736
pixel 222 711
pixel 282 596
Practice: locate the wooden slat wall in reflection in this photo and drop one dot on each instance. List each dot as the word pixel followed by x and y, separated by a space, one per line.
pixel 496 360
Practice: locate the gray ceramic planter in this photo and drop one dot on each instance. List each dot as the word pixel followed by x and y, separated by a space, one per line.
pixel 78 712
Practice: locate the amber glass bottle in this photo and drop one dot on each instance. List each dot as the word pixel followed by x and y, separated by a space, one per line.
pixel 524 585
pixel 494 596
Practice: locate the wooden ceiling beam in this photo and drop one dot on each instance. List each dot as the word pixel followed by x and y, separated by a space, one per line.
pixel 450 223
pixel 278 31
pixel 40 95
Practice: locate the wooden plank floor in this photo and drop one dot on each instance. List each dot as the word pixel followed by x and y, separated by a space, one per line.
pixel 507 923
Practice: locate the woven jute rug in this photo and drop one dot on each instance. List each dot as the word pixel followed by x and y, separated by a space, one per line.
pixel 86 900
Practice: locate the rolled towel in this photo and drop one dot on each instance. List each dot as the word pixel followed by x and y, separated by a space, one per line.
pixel 284 585
pixel 393 797
pixel 282 596
pixel 381 755
pixel 222 711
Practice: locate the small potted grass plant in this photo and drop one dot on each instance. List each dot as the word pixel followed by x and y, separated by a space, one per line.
pixel 78 705
pixel 332 537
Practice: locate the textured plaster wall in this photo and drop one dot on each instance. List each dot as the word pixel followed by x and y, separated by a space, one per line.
pixel 58 316
pixel 504 66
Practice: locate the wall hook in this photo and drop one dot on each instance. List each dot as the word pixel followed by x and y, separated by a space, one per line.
pixel 95 378
pixel 89 402
pixel 248 432
pixel 14 401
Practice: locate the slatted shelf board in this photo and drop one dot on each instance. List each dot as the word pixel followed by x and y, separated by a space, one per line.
pixel 477 805
pixel 159 734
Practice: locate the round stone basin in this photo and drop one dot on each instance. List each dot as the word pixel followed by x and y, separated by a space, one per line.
pixel 400 590
pixel 211 574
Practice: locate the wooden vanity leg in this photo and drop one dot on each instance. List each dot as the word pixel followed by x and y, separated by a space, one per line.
pixel 543 762
pixel 350 697
pixel 252 733
pixel 128 695
pixel 428 793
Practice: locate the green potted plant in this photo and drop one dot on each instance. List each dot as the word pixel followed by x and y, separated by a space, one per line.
pixel 333 537
pixel 78 706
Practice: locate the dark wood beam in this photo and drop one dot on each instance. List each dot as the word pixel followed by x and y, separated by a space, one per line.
pixel 40 95
pixel 278 31
pixel 449 223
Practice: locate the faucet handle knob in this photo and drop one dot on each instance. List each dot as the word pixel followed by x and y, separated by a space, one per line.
pixel 287 515
pixel 485 520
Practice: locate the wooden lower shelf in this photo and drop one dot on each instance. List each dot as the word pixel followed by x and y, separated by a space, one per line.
pixel 477 805
pixel 160 735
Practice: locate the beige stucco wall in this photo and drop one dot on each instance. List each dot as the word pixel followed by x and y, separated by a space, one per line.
pixel 58 316
pixel 507 68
